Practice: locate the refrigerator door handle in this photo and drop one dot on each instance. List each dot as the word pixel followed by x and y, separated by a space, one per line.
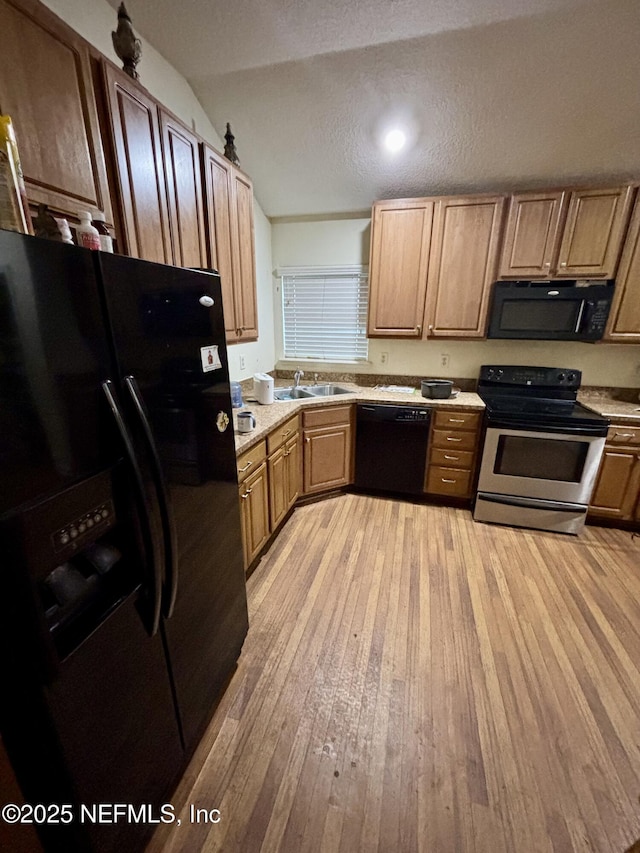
pixel 168 525
pixel 148 539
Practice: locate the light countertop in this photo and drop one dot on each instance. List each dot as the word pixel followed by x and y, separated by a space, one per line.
pixel 609 406
pixel 268 417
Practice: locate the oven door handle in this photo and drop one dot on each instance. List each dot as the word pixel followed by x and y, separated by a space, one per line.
pixel 511 500
pixel 597 430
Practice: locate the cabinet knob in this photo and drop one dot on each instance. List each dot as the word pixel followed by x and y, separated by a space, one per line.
pixel 563 264
pixel 548 264
pixel 307 440
pixel 419 329
pixel 246 495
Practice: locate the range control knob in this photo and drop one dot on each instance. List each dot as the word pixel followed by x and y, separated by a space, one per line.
pixel 571 377
pixel 561 377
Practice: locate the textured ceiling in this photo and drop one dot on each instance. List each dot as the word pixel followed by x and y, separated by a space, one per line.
pixel 492 93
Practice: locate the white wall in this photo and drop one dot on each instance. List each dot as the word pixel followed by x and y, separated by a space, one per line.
pixel 94 20
pixel 346 241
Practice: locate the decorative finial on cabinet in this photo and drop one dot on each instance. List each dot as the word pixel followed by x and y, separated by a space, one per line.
pixel 230 149
pixel 128 48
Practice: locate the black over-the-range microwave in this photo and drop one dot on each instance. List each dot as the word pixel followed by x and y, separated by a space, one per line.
pixel 571 310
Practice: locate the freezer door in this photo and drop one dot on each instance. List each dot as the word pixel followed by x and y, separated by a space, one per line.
pixel 168 333
pixel 54 424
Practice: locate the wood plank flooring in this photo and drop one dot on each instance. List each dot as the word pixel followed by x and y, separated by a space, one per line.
pixel 414 682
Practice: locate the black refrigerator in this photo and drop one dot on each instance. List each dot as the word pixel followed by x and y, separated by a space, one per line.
pixel 123 604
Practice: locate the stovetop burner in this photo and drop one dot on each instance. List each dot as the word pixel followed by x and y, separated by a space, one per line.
pixel 539 397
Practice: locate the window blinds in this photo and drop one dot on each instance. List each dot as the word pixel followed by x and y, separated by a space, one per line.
pixel 324 313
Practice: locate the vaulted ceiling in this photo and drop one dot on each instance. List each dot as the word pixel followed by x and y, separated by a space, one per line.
pixel 493 94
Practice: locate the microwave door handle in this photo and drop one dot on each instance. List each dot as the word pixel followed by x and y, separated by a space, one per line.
pixel 149 542
pixel 168 526
pixel 580 313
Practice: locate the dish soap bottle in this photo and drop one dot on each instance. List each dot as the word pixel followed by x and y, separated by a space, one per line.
pixel 86 234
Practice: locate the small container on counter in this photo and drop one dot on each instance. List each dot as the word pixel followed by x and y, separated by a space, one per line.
pixel 86 234
pixel 106 241
pixel 246 421
pixel 236 395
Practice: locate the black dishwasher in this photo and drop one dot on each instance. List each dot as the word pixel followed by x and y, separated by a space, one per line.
pixel 391 448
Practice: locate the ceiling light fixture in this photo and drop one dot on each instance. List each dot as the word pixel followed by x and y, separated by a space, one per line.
pixel 395 140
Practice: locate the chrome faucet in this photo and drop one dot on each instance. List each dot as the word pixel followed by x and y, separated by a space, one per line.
pixel 297 376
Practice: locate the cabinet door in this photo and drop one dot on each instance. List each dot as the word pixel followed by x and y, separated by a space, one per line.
pixel 327 458
pixel 616 490
pixel 254 506
pixel 462 267
pixel 217 185
pixel 624 319
pixel 46 88
pixel 400 243
pixel 184 192
pixel 278 497
pixel 293 468
pixel 243 256
pixel 135 133
pixel 593 233
pixel 531 234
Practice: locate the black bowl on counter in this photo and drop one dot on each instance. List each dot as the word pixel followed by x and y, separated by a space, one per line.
pixel 436 389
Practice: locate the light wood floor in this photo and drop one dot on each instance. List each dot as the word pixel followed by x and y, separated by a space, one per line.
pixel 414 681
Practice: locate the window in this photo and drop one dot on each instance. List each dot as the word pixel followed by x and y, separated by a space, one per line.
pixel 324 313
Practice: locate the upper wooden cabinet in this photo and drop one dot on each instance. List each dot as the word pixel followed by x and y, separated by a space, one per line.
pixel 180 148
pixel 138 166
pixel 462 265
pixel 400 243
pixel 432 265
pixel 531 233
pixel 624 319
pixel 571 234
pixel 46 88
pixel 229 223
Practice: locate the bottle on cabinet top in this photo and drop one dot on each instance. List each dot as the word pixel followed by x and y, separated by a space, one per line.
pixel 86 234
pixel 106 241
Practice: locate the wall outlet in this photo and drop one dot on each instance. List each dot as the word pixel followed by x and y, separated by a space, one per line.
pixel 241 362
pixel 384 358
pixel 444 359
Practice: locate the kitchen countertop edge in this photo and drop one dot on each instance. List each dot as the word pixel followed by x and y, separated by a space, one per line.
pixel 270 416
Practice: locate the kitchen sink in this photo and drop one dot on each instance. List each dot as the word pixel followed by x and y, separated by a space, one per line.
pixel 325 390
pixel 304 392
pixel 291 393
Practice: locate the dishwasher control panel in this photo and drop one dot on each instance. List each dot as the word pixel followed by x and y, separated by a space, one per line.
pixel 412 415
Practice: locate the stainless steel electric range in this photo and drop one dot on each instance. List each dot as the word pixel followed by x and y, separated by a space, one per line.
pixel 542 448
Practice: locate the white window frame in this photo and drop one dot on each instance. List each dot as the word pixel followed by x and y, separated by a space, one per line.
pixel 337 336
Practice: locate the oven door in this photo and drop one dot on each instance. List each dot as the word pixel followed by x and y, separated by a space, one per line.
pixel 550 466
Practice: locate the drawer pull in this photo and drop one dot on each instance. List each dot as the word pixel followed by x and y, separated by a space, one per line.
pixel 625 435
pixel 448 481
pixel 456 420
pixel 245 467
pixel 451 438
pixel 452 458
pixel 285 434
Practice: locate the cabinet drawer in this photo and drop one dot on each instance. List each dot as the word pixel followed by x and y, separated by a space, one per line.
pixel 282 433
pixel 445 438
pixel 249 461
pixel 456 420
pixel 621 434
pixel 327 416
pixel 451 458
pixel 448 481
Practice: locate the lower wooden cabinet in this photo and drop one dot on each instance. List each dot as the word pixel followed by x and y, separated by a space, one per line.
pixel 328 453
pixel 254 511
pixel 452 453
pixel 617 487
pixel 285 470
